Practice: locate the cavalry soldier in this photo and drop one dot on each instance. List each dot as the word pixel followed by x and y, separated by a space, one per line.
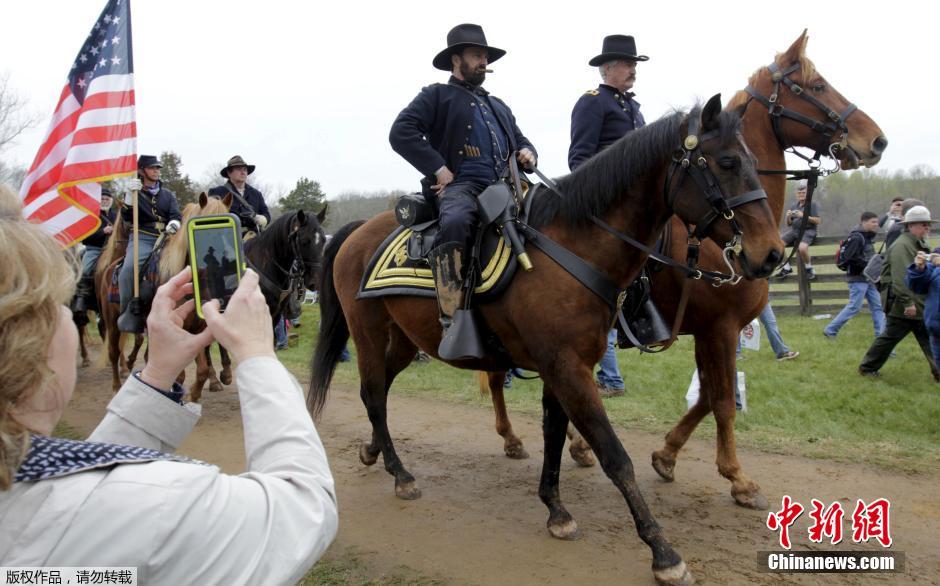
pixel 600 118
pixel 247 202
pixel 158 211
pixel 85 292
pixel 461 136
pixel 603 115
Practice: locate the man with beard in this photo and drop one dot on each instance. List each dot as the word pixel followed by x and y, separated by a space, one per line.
pixel 461 137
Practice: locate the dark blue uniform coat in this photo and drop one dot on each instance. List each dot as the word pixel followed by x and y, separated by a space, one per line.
pixel 99 238
pixel 432 130
pixel 600 118
pixel 154 209
pixel 254 199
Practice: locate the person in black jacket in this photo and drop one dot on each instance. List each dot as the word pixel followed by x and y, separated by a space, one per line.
pixel 463 137
pixel 85 291
pixel 247 202
pixel 158 211
pixel 859 248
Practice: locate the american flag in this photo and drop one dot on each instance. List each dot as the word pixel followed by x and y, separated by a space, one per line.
pixel 92 136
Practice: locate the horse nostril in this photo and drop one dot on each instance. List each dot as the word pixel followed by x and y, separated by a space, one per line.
pixel 879 145
pixel 773 257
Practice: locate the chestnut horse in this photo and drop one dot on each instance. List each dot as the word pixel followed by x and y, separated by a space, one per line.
pixel 112 338
pixel 715 316
pixel 634 187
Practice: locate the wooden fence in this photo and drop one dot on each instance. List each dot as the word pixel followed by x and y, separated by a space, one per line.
pixel 827 293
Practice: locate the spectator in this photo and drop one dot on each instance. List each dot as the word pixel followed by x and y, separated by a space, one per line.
pixel 897 227
pixel 795 217
pixel 769 320
pixel 859 248
pixel 923 278
pixel 120 499
pixel 893 214
pixel 904 308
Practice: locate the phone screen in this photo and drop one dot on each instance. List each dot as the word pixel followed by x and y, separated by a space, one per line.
pixel 216 262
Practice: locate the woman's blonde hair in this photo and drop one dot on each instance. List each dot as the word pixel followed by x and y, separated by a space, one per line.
pixel 35 280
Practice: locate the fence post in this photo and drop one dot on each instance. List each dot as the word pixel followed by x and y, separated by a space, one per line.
pixel 806 298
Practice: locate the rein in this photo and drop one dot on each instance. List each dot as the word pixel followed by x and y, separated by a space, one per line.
pixel 295 274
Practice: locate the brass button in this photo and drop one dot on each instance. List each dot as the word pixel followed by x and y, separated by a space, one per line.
pixel 469 126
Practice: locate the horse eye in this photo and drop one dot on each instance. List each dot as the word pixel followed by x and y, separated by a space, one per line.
pixel 728 163
pixel 819 87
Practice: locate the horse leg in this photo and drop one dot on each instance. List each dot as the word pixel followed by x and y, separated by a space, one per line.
pixel 664 460
pixel 401 352
pixel 132 357
pixel 584 408
pixel 512 445
pixel 86 362
pixel 560 524
pixel 226 376
pixel 202 373
pixel 579 449
pixel 114 357
pixel 373 390
pixel 717 373
pixel 214 385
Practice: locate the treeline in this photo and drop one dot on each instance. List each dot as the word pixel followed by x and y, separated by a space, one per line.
pixel 843 197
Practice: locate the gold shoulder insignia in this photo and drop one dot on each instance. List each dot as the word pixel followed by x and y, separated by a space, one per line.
pixel 591 93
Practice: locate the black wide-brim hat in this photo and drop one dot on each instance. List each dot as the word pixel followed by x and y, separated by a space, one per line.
pixel 236 161
pixel 617 47
pixel 145 161
pixel 459 38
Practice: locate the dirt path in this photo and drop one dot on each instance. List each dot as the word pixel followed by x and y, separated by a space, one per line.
pixel 480 520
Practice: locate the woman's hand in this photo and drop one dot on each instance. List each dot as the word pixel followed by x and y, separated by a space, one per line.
pixel 245 328
pixel 171 347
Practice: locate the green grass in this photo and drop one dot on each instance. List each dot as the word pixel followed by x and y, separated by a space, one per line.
pixel 816 405
pixel 352 568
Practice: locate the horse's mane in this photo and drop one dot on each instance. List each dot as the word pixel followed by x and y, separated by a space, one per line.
pixel 277 233
pixel 594 186
pixel 173 258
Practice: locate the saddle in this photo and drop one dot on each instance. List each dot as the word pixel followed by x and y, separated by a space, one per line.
pixel 400 267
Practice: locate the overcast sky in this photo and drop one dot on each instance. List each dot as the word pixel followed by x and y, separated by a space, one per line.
pixel 311 88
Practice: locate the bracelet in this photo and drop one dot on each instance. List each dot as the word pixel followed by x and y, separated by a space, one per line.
pixel 175 394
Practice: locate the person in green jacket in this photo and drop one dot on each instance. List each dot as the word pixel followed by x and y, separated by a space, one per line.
pixel 903 307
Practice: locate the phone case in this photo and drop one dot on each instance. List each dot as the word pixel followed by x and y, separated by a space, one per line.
pixel 224 231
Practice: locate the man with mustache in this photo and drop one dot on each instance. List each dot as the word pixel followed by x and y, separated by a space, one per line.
pixel 600 118
pixel 460 138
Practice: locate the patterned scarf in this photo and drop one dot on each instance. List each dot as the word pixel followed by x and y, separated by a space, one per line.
pixel 52 457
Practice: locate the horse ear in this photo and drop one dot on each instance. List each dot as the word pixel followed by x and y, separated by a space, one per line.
pixel 710 113
pixel 301 218
pixel 322 215
pixel 227 200
pixel 797 50
pixel 203 199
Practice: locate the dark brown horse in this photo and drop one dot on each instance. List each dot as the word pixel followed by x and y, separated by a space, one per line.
pixel 113 339
pixel 630 186
pixel 714 316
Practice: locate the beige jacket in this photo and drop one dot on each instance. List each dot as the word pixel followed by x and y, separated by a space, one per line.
pixel 182 523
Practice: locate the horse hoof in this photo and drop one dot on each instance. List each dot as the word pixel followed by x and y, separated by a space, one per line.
pixel 584 457
pixel 665 468
pixel 677 575
pixel 516 452
pixel 215 387
pixel 751 500
pixel 366 457
pixel 86 362
pixel 407 491
pixel 566 530
pixel 225 378
pixel 124 372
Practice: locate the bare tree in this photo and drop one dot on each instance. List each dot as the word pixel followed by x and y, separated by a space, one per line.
pixel 15 117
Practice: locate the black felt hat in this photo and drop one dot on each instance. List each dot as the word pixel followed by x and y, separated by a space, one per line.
pixel 617 47
pixel 459 38
pixel 144 161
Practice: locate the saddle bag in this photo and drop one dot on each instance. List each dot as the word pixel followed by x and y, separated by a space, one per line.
pixel 412 209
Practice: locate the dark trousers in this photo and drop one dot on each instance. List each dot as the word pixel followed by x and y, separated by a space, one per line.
pixel 896 329
pixel 458 213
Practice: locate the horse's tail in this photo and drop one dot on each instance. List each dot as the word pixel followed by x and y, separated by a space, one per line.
pixel 334 332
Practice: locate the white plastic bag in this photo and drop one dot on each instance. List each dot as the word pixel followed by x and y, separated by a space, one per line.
pixel 750 336
pixel 691 396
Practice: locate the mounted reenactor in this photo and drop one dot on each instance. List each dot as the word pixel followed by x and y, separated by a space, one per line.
pixel 247 202
pixel 157 211
pixel 460 137
pixel 85 292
